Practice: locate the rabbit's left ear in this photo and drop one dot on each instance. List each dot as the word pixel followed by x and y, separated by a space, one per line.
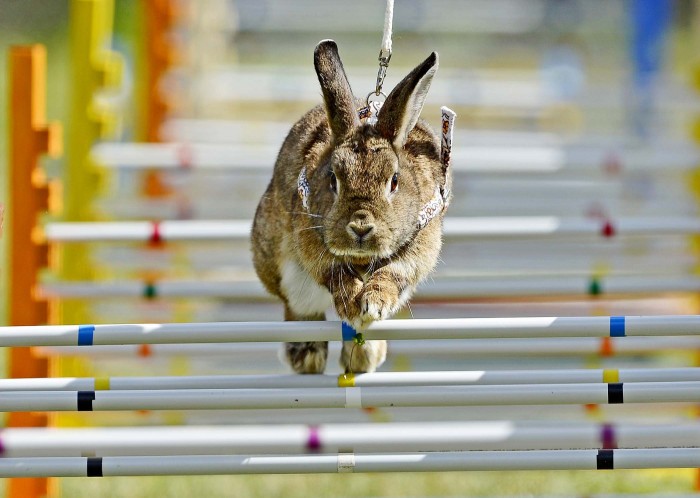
pixel 403 106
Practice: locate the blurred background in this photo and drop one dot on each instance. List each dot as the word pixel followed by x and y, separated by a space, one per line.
pixel 567 110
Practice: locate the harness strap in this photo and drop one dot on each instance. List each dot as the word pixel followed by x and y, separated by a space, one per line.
pixel 447 130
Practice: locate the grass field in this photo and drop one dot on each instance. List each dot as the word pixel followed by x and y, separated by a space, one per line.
pixel 387 485
pixel 452 484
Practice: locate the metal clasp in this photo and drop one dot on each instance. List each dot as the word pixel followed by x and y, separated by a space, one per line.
pixel 381 74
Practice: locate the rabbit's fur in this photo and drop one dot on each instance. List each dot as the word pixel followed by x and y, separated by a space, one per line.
pixel 357 245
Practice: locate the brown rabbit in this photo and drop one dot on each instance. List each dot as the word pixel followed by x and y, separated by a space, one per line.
pixel 353 214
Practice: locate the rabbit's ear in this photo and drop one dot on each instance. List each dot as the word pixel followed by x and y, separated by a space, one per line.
pixel 402 107
pixel 337 95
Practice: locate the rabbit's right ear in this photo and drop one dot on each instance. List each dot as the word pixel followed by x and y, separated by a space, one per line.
pixel 402 107
pixel 337 94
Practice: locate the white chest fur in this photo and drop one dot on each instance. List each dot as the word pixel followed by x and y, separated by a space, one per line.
pixel 304 295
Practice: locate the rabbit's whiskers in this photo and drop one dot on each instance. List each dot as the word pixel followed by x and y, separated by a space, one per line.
pixel 309 228
pixel 311 215
pixel 342 286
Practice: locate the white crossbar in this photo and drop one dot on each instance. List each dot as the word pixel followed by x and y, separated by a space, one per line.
pixel 331 438
pixel 350 462
pixel 443 328
pixel 352 397
pixel 376 379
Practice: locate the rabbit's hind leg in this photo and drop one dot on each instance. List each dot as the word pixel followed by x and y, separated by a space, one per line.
pixel 305 357
pixel 304 300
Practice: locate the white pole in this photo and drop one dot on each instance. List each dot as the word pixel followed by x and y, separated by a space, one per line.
pixel 444 328
pixel 467 348
pixel 376 379
pixel 147 230
pixel 332 438
pixel 246 291
pixel 454 228
pixel 439 288
pixel 483 158
pixel 350 462
pixel 200 202
pixel 516 92
pixel 352 397
pixel 224 131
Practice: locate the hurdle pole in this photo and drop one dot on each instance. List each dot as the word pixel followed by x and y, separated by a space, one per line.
pixel 375 379
pixel 439 289
pixel 352 397
pixel 333 438
pixel 352 463
pixel 462 348
pixel 31 196
pixel 442 328
pixel 586 162
pixel 455 228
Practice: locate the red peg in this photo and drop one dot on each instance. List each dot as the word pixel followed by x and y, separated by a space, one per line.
pixel 156 237
pixel 608 230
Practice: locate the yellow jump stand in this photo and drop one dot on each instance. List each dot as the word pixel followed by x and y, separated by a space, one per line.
pixel 694 183
pixel 94 70
pixel 30 197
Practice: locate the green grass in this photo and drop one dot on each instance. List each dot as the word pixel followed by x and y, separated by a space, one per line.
pixel 452 484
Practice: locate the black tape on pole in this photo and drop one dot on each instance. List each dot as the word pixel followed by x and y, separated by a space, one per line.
pixel 605 460
pixel 85 399
pixel 615 393
pixel 94 467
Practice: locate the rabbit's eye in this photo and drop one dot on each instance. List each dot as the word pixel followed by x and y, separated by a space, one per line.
pixel 394 182
pixel 334 182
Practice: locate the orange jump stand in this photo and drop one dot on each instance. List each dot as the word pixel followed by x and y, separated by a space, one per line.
pixel 29 138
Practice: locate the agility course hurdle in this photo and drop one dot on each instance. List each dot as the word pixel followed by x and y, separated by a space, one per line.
pixel 454 228
pixel 352 463
pixel 447 328
pixel 337 438
pixel 447 389
pixel 593 335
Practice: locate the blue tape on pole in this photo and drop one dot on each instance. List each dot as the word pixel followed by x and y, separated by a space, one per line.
pixel 86 335
pixel 617 326
pixel 349 333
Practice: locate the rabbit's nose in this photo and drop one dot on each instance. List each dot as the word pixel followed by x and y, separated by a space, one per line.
pixel 361 229
pixel 361 223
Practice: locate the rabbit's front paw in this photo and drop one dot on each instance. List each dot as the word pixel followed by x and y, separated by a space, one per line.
pixel 376 304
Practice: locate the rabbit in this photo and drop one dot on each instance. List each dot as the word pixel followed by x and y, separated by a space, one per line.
pixel 350 217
